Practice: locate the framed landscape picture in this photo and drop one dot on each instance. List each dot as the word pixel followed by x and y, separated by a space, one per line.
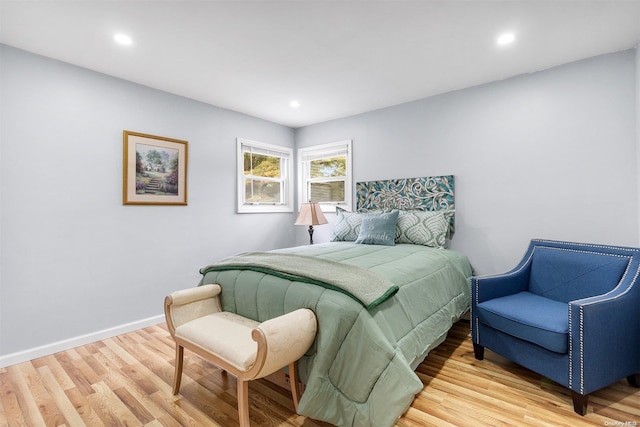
pixel 155 170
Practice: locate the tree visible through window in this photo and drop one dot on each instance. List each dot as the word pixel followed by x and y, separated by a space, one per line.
pixel 326 174
pixel 263 178
pixel 327 179
pixel 264 185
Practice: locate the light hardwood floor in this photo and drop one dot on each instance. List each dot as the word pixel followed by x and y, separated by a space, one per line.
pixel 126 381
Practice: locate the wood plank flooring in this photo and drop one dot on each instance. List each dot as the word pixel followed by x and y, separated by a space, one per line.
pixel 126 381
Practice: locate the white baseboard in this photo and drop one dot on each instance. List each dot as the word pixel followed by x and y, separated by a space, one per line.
pixel 34 353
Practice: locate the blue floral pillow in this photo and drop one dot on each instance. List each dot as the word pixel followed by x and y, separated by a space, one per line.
pixel 378 229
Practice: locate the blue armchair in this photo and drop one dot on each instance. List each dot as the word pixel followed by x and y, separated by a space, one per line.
pixel 568 311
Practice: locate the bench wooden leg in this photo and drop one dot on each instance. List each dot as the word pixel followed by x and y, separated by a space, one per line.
pixel 177 376
pixel 243 403
pixel 293 382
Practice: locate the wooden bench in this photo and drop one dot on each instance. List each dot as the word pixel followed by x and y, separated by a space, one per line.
pixel 243 347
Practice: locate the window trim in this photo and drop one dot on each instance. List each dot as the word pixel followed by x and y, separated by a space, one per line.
pixel 320 150
pixel 287 152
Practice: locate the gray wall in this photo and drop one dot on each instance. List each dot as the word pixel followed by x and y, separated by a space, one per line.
pixel 551 154
pixel 545 155
pixel 74 260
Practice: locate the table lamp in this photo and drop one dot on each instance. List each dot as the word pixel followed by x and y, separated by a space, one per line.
pixel 311 214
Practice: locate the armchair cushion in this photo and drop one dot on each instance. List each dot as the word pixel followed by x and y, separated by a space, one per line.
pixel 530 317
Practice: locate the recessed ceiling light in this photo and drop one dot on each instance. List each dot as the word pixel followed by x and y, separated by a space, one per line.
pixel 505 39
pixel 294 104
pixel 122 39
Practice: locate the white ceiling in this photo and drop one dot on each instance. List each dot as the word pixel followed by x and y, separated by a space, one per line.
pixel 337 58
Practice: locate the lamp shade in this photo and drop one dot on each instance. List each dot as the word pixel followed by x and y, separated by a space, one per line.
pixel 311 214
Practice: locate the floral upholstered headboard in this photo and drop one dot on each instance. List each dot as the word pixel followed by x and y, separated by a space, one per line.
pixel 431 193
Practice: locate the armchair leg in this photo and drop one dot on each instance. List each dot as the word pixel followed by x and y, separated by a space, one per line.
pixel 478 351
pixel 634 380
pixel 580 402
pixel 177 376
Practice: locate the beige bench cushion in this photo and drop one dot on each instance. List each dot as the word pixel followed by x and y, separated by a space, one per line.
pixel 225 334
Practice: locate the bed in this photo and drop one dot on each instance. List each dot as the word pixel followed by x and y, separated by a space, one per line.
pixel 386 306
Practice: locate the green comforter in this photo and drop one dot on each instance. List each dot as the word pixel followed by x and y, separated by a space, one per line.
pixel 359 372
pixel 368 288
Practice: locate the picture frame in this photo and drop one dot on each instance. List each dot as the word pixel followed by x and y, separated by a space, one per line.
pixel 155 170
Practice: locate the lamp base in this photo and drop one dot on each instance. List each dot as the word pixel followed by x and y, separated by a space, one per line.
pixel 311 234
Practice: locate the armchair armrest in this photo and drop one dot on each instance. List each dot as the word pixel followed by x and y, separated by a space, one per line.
pixel 185 305
pixel 484 288
pixel 282 341
pixel 606 328
pixel 516 280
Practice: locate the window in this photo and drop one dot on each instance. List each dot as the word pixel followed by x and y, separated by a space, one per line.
pixel 325 175
pixel 264 177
